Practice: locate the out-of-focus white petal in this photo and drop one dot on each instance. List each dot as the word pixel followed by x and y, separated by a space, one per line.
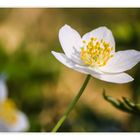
pixel 114 78
pixel 3 127
pixel 122 61
pixel 70 40
pixel 22 123
pixel 70 64
pixel 3 90
pixel 101 33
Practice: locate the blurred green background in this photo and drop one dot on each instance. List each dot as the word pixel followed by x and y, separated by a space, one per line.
pixel 42 87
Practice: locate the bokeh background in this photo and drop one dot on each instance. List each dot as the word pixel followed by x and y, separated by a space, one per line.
pixel 42 87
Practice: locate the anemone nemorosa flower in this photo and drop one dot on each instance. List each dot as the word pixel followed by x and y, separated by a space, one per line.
pixel 11 119
pixel 94 54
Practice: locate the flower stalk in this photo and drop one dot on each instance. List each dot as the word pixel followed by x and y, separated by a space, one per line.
pixel 71 105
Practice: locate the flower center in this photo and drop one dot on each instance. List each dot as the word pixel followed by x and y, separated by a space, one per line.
pixel 96 53
pixel 8 112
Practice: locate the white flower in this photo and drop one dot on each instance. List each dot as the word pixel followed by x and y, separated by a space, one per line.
pixel 95 54
pixel 11 119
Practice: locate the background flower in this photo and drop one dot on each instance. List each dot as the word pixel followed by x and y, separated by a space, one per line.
pixel 11 119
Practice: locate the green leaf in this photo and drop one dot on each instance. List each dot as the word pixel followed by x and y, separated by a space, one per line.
pixel 125 104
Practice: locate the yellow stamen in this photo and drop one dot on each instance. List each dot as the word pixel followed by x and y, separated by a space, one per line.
pixel 8 112
pixel 96 53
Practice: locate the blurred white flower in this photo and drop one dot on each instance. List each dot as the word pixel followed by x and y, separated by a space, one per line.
pixel 11 119
pixel 95 54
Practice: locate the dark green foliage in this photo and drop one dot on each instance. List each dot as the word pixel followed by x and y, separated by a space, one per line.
pixel 125 104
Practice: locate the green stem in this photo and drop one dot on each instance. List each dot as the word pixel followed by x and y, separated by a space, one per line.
pixel 72 104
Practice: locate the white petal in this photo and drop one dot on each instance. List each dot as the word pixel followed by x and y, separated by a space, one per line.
pixel 70 64
pixel 22 123
pixel 101 33
pixel 70 40
pixel 122 61
pixel 90 70
pixel 3 127
pixel 115 78
pixel 3 90
pixel 66 61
